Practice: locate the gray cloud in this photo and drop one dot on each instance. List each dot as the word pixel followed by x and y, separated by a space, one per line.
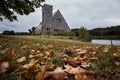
pixel 88 13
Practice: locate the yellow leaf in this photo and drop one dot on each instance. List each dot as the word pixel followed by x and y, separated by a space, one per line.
pixel 22 59
pixel 77 58
pixel 106 49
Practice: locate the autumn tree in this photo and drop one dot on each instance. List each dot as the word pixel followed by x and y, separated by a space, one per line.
pixel 9 8
pixel 84 34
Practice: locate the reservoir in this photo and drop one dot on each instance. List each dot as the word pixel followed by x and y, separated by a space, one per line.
pixel 108 42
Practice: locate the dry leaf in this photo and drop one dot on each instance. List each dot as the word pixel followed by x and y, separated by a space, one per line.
pixel 58 70
pixel 42 75
pixel 85 64
pixel 106 49
pixel 15 68
pixel 77 58
pixel 59 76
pixel 32 62
pixel 82 52
pixel 49 46
pixel 3 67
pixel 13 53
pixel 0 46
pixel 93 58
pixel 80 76
pixel 73 70
pixel 7 58
pixel 23 47
pixel 46 67
pixel 22 59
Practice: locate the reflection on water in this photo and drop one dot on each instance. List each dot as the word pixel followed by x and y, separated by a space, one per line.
pixel 108 42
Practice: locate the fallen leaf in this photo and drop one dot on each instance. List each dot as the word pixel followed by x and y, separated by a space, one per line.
pixel 49 46
pixel 59 76
pixel 15 68
pixel 46 67
pixel 22 59
pixel 32 62
pixel 3 67
pixel 0 46
pixel 106 49
pixel 7 58
pixel 13 53
pixel 82 52
pixel 80 76
pixel 58 70
pixel 73 70
pixel 42 75
pixel 93 58
pixel 24 47
pixel 77 58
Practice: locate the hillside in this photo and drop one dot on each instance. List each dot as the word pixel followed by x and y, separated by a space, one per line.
pixel 36 58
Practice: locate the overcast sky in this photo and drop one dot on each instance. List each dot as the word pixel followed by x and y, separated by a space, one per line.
pixel 77 13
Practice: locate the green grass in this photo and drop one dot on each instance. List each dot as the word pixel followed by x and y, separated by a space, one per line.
pixel 105 65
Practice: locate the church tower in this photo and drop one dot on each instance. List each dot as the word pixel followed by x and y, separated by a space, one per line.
pixel 53 23
pixel 47 21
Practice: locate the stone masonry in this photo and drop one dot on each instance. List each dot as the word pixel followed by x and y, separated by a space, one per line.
pixel 55 23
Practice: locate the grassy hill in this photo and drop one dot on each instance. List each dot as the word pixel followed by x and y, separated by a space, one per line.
pixel 43 58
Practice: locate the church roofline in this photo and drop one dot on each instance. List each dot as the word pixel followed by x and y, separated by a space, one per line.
pixel 56 12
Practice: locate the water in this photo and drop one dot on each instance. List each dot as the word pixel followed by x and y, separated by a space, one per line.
pixel 108 42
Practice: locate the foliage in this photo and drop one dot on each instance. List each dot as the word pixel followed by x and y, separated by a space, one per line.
pixel 7 32
pixel 22 7
pixel 84 34
pixel 75 31
pixel 42 59
pixel 106 32
pixel 32 30
pixel 70 33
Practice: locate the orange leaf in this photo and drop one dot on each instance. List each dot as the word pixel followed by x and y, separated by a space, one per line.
pixel 93 58
pixel 13 53
pixel 80 76
pixel 49 46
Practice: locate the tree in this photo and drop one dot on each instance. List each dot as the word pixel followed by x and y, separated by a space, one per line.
pixel 22 7
pixel 30 31
pixel 7 32
pixel 33 30
pixel 84 34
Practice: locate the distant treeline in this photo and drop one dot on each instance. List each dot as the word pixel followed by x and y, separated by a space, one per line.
pixel 112 32
pixel 8 32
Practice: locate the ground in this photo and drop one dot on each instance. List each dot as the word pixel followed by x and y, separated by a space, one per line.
pixel 43 58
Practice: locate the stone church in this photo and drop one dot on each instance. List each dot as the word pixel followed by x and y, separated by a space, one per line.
pixel 54 22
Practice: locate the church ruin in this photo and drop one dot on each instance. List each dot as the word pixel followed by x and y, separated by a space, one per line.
pixel 53 22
